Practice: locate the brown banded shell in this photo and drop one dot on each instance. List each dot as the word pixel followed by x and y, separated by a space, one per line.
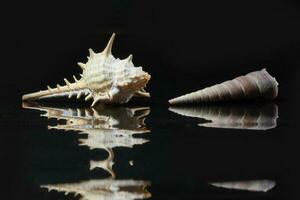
pixel 258 84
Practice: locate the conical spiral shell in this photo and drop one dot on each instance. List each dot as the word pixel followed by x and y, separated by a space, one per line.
pixel 258 84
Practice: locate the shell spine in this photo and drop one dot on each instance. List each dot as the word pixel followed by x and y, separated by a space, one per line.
pixel 104 79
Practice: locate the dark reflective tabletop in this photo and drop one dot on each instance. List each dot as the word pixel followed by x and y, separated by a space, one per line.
pixel 59 150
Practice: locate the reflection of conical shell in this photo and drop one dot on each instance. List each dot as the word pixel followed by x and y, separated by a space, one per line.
pixel 253 185
pixel 258 84
pixel 253 117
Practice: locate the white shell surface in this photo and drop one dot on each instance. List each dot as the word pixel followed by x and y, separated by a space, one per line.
pixel 104 79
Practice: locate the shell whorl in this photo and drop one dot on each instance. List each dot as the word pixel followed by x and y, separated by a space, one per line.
pixel 104 79
pixel 258 84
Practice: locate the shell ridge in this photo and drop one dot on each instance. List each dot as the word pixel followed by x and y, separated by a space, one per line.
pixel 251 85
pixel 104 79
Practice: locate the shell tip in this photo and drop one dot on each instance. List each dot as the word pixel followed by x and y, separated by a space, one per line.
pixel 91 52
pixel 129 59
pixel 81 65
pixel 107 50
pixel 171 101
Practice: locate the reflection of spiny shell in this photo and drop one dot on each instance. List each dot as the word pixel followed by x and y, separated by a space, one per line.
pixel 130 120
pixel 258 84
pixel 253 185
pixel 255 117
pixel 104 78
pixel 109 139
pixel 105 127
pixel 106 189
pixel 106 164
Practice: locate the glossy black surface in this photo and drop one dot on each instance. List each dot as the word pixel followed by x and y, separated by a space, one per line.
pixel 180 159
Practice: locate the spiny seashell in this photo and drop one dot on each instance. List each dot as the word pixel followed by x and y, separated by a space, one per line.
pixel 258 84
pixel 253 185
pixel 253 117
pixel 104 79
pixel 106 189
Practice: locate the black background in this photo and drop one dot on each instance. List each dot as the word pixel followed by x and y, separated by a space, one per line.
pixel 185 46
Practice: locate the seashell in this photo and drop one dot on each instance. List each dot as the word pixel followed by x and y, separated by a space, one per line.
pixel 258 84
pixel 252 185
pixel 104 79
pixel 252 117
pixel 106 189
